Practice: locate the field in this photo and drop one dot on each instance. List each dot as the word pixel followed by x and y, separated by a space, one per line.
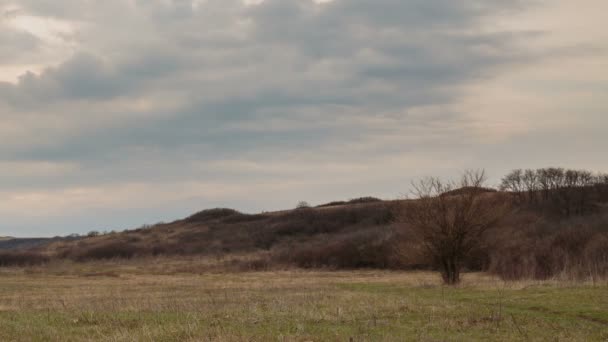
pixel 152 300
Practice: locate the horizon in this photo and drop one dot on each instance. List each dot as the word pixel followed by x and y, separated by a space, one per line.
pixel 183 105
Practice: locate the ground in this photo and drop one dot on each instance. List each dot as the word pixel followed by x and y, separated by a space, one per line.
pixel 147 302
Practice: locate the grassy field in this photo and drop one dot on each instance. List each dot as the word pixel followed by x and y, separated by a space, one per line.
pixel 147 302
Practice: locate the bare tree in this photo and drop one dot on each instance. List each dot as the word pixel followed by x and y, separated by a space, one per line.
pixel 515 183
pixel 93 233
pixel 448 219
pixel 530 180
pixel 564 191
pixel 302 205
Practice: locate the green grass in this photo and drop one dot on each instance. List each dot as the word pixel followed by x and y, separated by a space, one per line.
pixel 295 306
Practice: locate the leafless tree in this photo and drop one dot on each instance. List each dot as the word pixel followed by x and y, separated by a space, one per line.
pixel 601 185
pixel 530 180
pixel 302 205
pixel 514 182
pixel 566 192
pixel 448 219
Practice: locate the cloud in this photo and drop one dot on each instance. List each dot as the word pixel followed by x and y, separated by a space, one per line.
pixel 164 93
pixel 13 43
pixel 223 62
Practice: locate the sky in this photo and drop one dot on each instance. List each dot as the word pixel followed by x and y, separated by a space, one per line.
pixel 119 113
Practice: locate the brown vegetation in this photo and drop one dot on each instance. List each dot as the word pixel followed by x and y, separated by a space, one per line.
pixel 544 236
pixel 26 258
pixel 531 247
pixel 284 238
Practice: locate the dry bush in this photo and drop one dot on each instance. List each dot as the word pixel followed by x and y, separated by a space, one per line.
pixel 14 258
pixel 595 257
pixel 254 265
pixel 107 250
pixel 302 225
pixel 366 249
pixel 549 248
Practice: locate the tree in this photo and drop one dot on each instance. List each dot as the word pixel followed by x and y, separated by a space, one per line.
pixel 515 183
pixel 303 205
pixel 566 192
pixel 93 233
pixel 448 219
pixel 530 180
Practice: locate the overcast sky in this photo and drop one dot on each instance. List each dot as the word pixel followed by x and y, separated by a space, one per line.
pixel 116 113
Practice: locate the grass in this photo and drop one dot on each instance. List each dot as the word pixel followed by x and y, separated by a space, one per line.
pixel 138 301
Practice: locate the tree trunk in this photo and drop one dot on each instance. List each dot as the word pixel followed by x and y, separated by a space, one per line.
pixel 451 271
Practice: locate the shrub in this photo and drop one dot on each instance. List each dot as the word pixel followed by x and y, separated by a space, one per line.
pixel 302 205
pixel 8 259
pixel 574 248
pixel 107 250
pixel 367 249
pixel 595 256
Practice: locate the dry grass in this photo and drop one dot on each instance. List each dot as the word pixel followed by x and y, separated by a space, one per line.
pixel 157 299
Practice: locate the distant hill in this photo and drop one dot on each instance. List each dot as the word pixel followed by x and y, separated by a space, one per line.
pixel 11 243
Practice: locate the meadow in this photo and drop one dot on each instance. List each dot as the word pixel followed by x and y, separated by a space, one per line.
pixel 158 299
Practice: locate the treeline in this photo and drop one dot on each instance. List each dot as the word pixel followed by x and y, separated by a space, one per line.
pixel 564 191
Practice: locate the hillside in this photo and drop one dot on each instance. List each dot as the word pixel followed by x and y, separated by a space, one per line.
pixel 544 234
pixel 220 232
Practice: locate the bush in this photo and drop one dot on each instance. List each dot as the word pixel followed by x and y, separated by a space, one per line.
pixel 302 205
pixel 575 249
pixel 107 250
pixel 367 249
pixel 8 259
pixel 595 256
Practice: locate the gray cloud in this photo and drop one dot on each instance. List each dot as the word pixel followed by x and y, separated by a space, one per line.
pixel 231 63
pixel 14 44
pixel 162 92
pixel 375 56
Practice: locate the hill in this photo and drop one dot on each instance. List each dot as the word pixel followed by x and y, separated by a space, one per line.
pixel 288 235
pixel 11 243
pixel 546 233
